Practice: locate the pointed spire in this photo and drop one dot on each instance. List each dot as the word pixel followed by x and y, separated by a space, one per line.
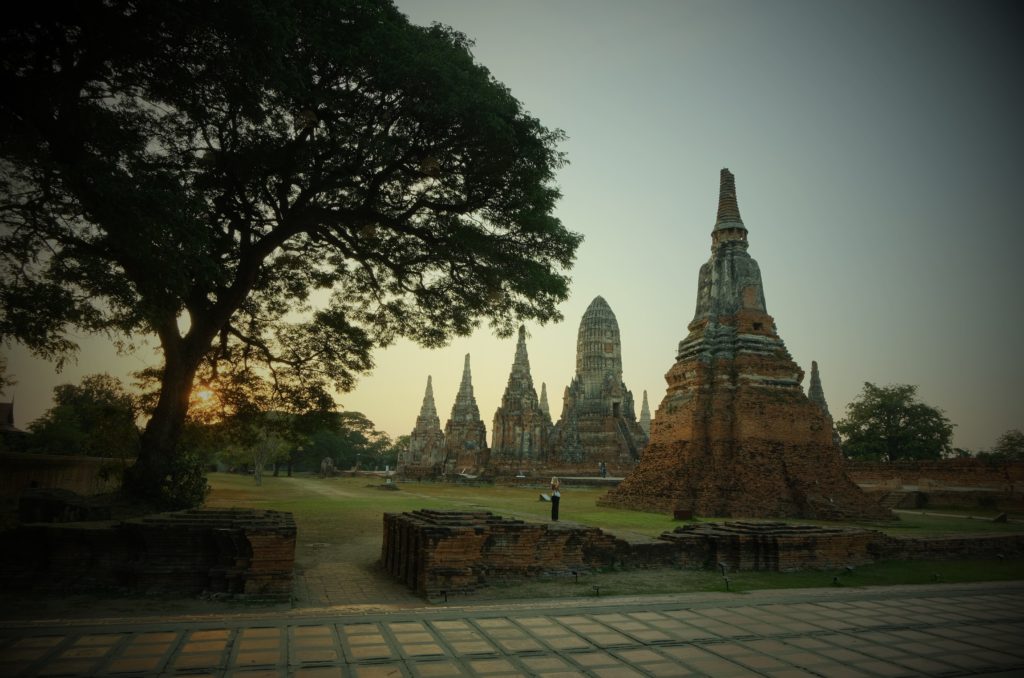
pixel 814 391
pixel 465 407
pixel 521 359
pixel 466 387
pixel 728 207
pixel 520 382
pixel 545 410
pixel 426 441
pixel 645 416
pixel 428 409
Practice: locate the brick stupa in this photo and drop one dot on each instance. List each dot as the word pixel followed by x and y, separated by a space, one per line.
pixel 598 422
pixel 520 433
pixel 426 442
pixel 645 416
pixel 735 434
pixel 816 394
pixel 465 435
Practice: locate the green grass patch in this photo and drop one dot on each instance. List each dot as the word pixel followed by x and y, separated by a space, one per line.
pixel 342 518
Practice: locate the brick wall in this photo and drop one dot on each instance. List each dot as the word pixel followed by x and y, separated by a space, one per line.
pixel 243 552
pixel 964 473
pixel 439 552
pixel 84 475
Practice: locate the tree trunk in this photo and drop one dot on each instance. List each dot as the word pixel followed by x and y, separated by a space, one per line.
pixel 152 479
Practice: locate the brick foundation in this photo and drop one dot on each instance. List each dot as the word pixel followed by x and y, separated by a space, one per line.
pixel 436 553
pixel 243 552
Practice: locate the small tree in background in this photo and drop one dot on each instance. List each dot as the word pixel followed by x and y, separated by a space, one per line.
pixel 95 418
pixel 1010 446
pixel 888 423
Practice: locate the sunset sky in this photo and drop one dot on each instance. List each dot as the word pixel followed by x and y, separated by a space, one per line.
pixel 877 148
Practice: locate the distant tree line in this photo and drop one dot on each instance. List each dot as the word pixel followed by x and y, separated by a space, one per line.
pixel 889 423
pixel 98 417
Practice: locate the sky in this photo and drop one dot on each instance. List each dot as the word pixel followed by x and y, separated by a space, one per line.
pixel 877 148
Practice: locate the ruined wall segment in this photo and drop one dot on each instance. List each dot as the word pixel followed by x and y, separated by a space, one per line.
pixel 426 442
pixel 465 435
pixel 598 422
pixel 520 432
pixel 735 435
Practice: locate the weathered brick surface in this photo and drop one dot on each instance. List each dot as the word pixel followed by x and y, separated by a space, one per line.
pixel 735 434
pixel 1005 476
pixel 772 546
pixel 244 552
pixel 950 548
pixel 465 436
pixel 84 475
pixel 598 422
pixel 519 436
pixel 437 552
pixel 456 551
pixel 426 442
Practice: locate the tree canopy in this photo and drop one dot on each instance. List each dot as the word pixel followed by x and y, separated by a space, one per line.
pixel 348 438
pixel 269 187
pixel 95 418
pixel 888 423
pixel 1010 445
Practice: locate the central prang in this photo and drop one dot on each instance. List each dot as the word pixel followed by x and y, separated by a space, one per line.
pixel 735 434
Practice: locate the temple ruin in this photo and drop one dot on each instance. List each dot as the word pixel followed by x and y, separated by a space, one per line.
pixel 598 423
pixel 816 394
pixel 645 416
pixel 520 433
pixel 465 435
pixel 735 435
pixel 426 442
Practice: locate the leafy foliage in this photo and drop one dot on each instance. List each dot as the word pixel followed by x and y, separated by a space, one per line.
pixel 269 187
pixel 6 380
pixel 95 418
pixel 1009 446
pixel 348 438
pixel 888 423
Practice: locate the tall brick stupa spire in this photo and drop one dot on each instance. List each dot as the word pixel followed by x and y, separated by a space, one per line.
pixel 426 442
pixel 465 435
pixel 815 392
pixel 645 415
pixel 545 409
pixel 728 206
pixel 520 431
pixel 735 434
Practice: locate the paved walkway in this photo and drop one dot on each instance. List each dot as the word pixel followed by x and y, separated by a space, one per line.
pixel 935 630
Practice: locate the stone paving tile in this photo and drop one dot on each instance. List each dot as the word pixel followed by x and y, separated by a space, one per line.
pixel 617 639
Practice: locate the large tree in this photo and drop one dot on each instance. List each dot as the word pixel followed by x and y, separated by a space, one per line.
pixel 264 184
pixel 889 423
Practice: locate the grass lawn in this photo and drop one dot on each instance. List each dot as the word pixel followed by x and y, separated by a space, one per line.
pixel 343 517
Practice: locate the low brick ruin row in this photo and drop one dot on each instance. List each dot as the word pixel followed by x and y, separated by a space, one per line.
pixel 244 553
pixel 436 553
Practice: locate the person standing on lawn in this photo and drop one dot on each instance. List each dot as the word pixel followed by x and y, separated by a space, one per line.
pixel 556 495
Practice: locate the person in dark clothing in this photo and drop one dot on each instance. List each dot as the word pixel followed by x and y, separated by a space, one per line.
pixel 556 495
